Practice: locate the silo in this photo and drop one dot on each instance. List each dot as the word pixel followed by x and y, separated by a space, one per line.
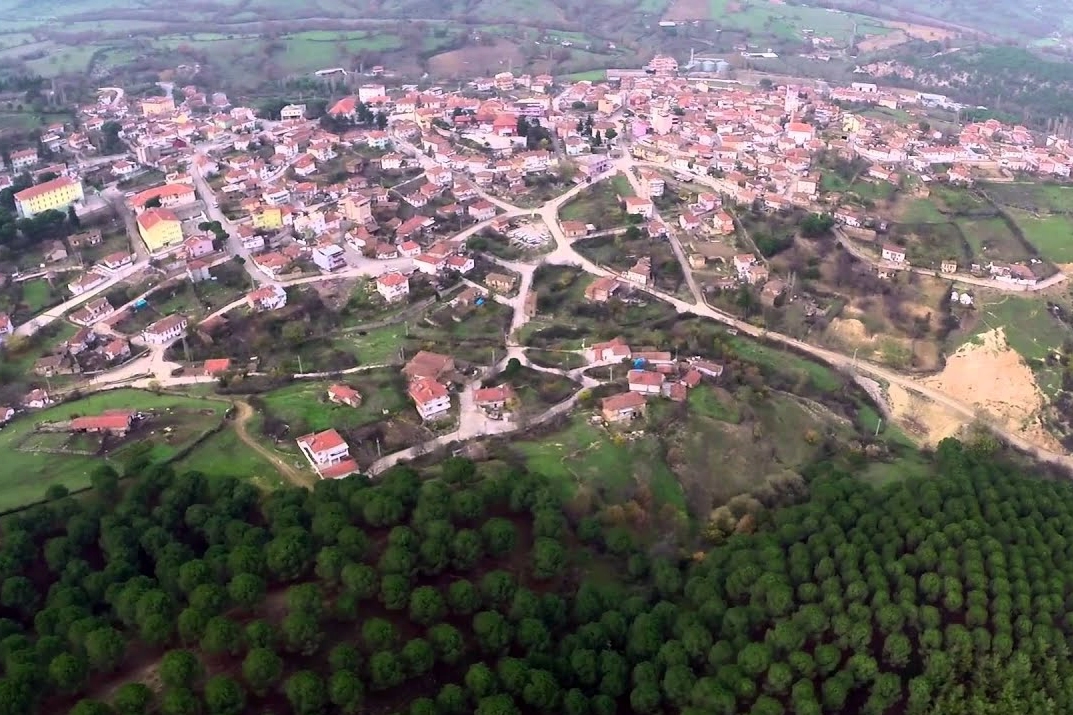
pixel 708 65
pixel 722 67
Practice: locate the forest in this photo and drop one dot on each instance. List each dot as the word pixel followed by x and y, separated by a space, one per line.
pixel 465 590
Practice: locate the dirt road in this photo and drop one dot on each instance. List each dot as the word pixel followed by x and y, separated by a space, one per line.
pixel 245 414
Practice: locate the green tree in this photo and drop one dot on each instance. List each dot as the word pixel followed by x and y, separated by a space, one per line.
pixel 548 557
pixel 68 673
pixel 105 648
pixel 491 631
pixel 224 696
pixel 261 670
pixel 179 701
pixel 246 590
pixel 394 592
pixel 180 669
pixel 447 642
pixel 418 657
pixel 306 693
pixel 480 681
pixel 346 692
pixel 302 633
pixel 379 634
pixel 385 670
pixel 132 699
pixel 426 606
pixel 496 705
pixel 542 691
pixel 463 597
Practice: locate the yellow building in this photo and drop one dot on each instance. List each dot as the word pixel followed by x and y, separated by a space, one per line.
pixel 57 194
pixel 153 106
pixel 268 218
pixel 851 123
pixel 160 229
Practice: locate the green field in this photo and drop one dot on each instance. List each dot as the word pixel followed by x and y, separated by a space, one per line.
pixel 991 239
pixel 922 211
pixel 1051 235
pixel 822 378
pixel 376 347
pixel 305 407
pixel 29 474
pixel 225 455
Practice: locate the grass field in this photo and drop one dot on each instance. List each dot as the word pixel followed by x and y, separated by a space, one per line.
pixel 28 474
pixel 822 378
pixel 597 205
pixel 225 455
pixel 992 240
pixel 922 211
pixel 304 405
pixel 1051 235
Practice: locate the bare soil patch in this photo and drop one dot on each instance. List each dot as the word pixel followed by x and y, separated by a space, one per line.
pixel 479 59
pixel 990 375
pixel 874 43
pixel 688 10
pixel 922 32
pixel 922 418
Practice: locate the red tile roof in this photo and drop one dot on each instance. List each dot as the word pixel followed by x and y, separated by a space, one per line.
pixel 33 191
pixel 110 421
pixel 322 441
pixel 154 216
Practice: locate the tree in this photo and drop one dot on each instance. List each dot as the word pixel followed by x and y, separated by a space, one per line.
pixel 491 631
pixel 105 648
pixel 466 549
pixel 306 693
pixel 224 696
pixel 385 670
pixel 180 669
pixel 447 642
pixel 302 633
pixel 463 598
pixel 361 580
pixel 451 700
pixel 246 590
pixel 91 707
pixel 548 558
pixel 426 606
pixel 132 699
pixel 68 673
pixel 179 701
pixel 480 680
pixel 418 657
pixel 379 634
pixel 346 692
pixel 645 698
pixel 496 705
pixel 222 635
pixel 394 592
pixel 261 670
pixel 542 691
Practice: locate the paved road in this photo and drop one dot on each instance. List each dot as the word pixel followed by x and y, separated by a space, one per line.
pixel 57 312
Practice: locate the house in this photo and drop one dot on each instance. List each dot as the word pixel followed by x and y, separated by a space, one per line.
pixel 948 266
pixel 272 264
pixel 6 328
pixel 92 311
pixel 86 282
pixel 216 366
pixel 575 229
pixel 197 246
pixel 23 159
pixel 55 251
pixel 482 210
pixel 500 282
pixel 428 364
pixel 462 264
pixel 116 423
pixel 645 382
pixel 638 206
pixel 292 112
pixel 36 399
pixel 329 258
pixel 722 223
pixel 6 414
pixel 624 407
pixel 742 263
pixel 81 341
pixel 894 254
pixel 641 272
pixel 609 351
pixel 165 330
pixel 601 289
pixel 393 286
pixel 58 194
pixel 494 399
pixel 708 369
pixel 344 395
pixel 430 398
pixel 328 453
pixel 120 259
pixel 429 264
pixel 52 365
pixel 86 238
pixel 118 348
pixel 198 271
pixel 269 297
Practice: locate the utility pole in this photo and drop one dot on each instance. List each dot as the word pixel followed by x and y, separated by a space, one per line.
pixel 300 368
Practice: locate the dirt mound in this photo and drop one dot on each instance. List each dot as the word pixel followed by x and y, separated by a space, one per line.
pixel 991 376
pixel 924 419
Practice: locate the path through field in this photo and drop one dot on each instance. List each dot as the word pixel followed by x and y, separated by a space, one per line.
pixel 245 414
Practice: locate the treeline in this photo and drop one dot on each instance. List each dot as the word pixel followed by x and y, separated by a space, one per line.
pixel 470 593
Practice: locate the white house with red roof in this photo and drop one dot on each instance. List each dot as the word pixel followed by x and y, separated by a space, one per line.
pixel 328 453
pixel 645 382
pixel 6 328
pixel 430 398
pixel 165 330
pixel 344 395
pixel 429 264
pixel 269 297
pixel 393 286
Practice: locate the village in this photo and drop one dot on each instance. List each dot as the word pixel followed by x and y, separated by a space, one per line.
pixel 215 248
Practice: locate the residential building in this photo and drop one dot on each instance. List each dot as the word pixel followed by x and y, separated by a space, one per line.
pixel 609 351
pixel 92 311
pixel 168 196
pixel 6 414
pixel 269 297
pixel 329 258
pixel 165 330
pixel 23 159
pixel 494 399
pixel 482 210
pixel 116 261
pixel 462 264
pixel 328 453
pixel 601 289
pixel 645 382
pixel 624 407
pixel 393 286
pixel 272 264
pixel 216 366
pixel 160 229
pixel 427 364
pixel 155 106
pixel 638 206
pixel 37 399
pixel 430 398
pixel 118 348
pixel 292 112
pixel 500 282
pixel 57 194
pixel 344 395
pixel 429 264
pixel 197 246
pixel 641 272
pixel 86 282
pixel 894 254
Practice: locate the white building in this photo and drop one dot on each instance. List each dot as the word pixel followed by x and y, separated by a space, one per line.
pixel 269 297
pixel 329 258
pixel 292 111
pixel 324 449
pixel 393 286
pixel 165 330
pixel 430 398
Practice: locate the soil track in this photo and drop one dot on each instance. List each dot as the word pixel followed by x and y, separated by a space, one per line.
pixel 245 414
